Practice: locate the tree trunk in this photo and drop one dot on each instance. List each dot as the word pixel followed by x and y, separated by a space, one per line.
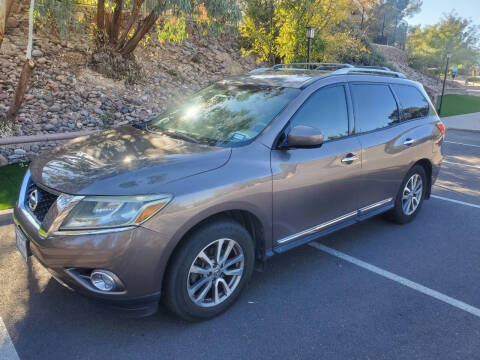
pixel 101 14
pixel 26 71
pixel 133 18
pixel 3 20
pixel 5 7
pixel 116 21
pixel 21 88
pixel 9 8
pixel 147 24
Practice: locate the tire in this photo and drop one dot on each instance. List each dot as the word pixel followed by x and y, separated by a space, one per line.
pixel 189 268
pixel 399 213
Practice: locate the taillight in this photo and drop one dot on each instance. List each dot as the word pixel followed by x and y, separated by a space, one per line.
pixel 441 127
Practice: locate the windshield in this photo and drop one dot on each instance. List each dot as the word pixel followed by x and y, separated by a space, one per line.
pixel 225 114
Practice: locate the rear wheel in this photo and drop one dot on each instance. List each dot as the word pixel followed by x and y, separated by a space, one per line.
pixel 209 271
pixel 410 197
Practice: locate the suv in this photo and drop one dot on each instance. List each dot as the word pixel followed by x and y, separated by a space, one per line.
pixel 183 207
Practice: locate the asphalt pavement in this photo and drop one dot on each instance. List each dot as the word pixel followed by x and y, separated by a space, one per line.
pixel 372 291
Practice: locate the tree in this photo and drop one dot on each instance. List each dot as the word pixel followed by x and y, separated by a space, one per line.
pixel 387 17
pixel 259 29
pixel 26 70
pixel 5 8
pixel 275 31
pixel 121 26
pixel 428 47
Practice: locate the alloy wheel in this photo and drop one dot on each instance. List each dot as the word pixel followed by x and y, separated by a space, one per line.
pixel 412 194
pixel 215 273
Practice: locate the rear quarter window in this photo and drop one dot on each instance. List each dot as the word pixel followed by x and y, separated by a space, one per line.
pixel 414 105
pixel 375 107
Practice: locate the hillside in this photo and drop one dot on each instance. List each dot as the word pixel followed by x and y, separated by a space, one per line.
pixel 399 59
pixel 65 94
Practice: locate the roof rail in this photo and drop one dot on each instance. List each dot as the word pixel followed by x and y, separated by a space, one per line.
pixel 368 70
pixel 337 69
pixel 310 66
pixel 373 67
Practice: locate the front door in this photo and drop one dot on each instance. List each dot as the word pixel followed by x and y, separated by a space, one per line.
pixel 315 188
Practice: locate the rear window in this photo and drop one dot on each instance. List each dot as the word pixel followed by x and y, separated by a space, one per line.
pixel 375 107
pixel 413 103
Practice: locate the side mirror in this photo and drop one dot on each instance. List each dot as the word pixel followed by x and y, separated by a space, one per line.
pixel 301 136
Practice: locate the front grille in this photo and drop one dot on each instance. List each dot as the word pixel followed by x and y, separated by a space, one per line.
pixel 45 201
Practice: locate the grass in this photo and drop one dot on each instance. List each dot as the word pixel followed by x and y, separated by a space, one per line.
pixel 459 105
pixel 11 177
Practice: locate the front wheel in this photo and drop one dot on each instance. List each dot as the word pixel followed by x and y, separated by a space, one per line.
pixel 410 196
pixel 209 271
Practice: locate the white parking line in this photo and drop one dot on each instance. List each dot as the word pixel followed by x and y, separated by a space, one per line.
pixel 401 280
pixel 453 142
pixel 7 350
pixel 460 164
pixel 455 201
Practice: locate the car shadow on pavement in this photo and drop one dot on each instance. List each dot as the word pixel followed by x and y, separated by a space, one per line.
pixel 53 311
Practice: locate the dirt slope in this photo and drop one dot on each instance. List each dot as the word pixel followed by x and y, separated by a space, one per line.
pixel 399 59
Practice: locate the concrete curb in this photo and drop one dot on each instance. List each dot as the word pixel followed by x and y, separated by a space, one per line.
pixel 470 122
pixel 5 212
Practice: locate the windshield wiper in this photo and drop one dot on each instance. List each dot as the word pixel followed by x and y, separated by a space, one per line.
pixel 181 136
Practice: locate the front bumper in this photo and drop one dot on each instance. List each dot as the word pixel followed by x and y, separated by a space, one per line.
pixel 130 254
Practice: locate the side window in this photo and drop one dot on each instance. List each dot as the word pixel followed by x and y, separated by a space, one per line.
pixel 325 110
pixel 412 101
pixel 375 107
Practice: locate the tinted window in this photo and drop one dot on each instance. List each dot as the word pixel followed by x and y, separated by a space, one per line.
pixel 225 114
pixel 413 103
pixel 325 110
pixel 375 107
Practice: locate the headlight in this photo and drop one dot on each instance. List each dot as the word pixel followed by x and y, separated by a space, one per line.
pixel 113 211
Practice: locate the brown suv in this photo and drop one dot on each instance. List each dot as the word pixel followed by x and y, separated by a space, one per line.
pixel 183 207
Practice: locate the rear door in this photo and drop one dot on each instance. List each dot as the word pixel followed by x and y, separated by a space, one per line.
pixel 388 141
pixel 314 186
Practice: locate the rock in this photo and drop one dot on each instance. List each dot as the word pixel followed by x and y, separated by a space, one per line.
pixel 49 127
pixel 42 60
pixel 12 23
pixel 20 152
pixel 3 161
pixel 37 53
pixel 55 108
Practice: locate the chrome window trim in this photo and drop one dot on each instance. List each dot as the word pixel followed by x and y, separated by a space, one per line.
pixel 321 226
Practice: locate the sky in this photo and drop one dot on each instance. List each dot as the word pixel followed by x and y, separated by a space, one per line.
pixel 432 11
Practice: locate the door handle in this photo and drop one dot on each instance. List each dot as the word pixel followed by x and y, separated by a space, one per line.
pixel 350 158
pixel 408 142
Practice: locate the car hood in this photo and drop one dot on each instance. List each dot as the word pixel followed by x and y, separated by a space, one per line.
pixel 124 161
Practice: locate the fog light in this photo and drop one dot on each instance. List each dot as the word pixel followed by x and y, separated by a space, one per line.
pixel 102 280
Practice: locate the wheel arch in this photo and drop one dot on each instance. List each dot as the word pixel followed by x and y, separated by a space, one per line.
pixel 428 167
pixel 254 224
